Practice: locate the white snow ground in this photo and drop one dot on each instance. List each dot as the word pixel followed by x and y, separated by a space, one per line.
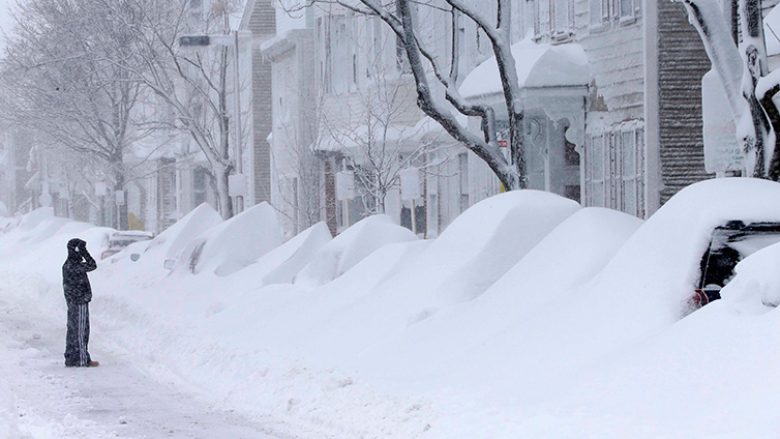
pixel 572 325
pixel 40 399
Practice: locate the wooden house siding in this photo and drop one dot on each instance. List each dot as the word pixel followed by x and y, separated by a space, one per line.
pixel 682 62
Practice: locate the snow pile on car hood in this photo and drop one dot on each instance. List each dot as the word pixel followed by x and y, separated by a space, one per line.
pixel 663 256
pixel 640 292
pixel 175 238
pixel 568 257
pixel 280 265
pixel 233 244
pixel 756 286
pixel 474 251
pixel 350 247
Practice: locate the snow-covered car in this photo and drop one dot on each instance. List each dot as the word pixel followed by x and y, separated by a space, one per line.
pixel 119 241
pixel 730 243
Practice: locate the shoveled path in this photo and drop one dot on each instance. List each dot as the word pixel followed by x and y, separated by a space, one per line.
pixel 41 399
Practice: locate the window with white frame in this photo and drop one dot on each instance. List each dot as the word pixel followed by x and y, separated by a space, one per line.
pixel 599 12
pixel 628 9
pixel 339 69
pixel 595 177
pixel 629 181
pixel 542 9
pixel 629 175
pixel 604 12
pixel 562 18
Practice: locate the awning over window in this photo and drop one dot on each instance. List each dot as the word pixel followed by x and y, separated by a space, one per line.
pixel 538 65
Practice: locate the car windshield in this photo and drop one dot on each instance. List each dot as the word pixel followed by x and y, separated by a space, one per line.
pixel 732 243
pixel 123 240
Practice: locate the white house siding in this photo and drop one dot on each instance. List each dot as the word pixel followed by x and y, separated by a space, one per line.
pixel 615 108
pixel 352 50
pixel 295 170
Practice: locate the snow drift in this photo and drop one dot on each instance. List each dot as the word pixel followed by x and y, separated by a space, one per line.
pixel 350 247
pixel 474 251
pixel 280 265
pixel 235 243
pixel 175 238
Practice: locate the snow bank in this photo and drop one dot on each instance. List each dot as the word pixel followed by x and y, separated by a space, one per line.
pixel 491 237
pixel 33 228
pixel 175 238
pixel 39 228
pixel 528 317
pixel 713 374
pixel 3 210
pixel 756 286
pixel 279 266
pixel 670 244
pixel 350 247
pixel 235 243
pixel 569 256
pixel 641 291
pixel 474 251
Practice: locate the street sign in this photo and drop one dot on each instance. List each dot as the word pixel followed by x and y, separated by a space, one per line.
pixel 195 40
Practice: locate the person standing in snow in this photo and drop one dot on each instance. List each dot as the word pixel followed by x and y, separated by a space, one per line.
pixel 78 294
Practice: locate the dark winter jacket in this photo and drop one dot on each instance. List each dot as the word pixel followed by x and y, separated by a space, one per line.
pixel 74 273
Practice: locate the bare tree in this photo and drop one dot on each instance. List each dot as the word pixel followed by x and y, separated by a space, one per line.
pixel 194 83
pixel 742 67
pixel 65 76
pixel 377 144
pixel 437 84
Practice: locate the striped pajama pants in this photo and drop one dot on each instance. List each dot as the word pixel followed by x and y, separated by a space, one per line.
pixel 77 338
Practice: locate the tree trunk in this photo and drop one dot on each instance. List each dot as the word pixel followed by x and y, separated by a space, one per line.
pixel 222 173
pixel 773 114
pixel 753 51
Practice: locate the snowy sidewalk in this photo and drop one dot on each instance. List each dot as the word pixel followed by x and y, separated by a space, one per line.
pixel 40 398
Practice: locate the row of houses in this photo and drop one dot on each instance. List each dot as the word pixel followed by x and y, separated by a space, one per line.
pixel 611 92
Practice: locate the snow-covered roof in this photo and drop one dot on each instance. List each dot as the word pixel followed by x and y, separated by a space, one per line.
pixel 538 65
pixel 426 130
pixel 772 31
pixel 236 15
